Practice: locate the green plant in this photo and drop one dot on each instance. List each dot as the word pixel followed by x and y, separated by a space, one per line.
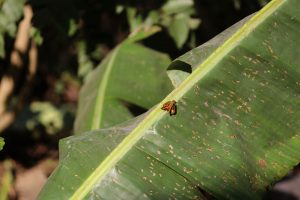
pixel 1 143
pixel 174 15
pixel 6 181
pixel 235 132
pixel 108 92
pixel 10 13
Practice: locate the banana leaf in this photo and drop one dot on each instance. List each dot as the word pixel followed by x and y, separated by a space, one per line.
pixel 123 80
pixel 235 133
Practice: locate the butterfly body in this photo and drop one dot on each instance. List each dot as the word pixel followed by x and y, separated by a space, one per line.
pixel 170 107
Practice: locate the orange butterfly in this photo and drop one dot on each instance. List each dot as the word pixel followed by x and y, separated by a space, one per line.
pixel 171 107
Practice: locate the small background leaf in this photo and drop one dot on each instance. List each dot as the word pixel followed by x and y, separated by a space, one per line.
pixel 6 181
pixel 177 6
pixel 1 143
pixel 10 12
pixel 179 29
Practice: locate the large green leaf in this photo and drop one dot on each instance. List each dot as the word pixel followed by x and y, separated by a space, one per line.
pixel 131 74
pixel 235 133
pixel 181 67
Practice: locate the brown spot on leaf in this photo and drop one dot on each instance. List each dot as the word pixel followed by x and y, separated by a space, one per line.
pixel 232 136
pixel 262 163
pixel 210 149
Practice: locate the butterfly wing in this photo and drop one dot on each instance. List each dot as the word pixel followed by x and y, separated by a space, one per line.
pixel 170 107
pixel 173 110
pixel 167 106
